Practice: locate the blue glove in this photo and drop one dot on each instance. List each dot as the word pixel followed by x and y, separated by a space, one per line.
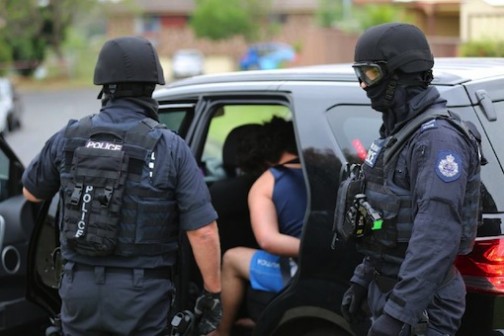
pixel 352 302
pixel 385 325
pixel 208 310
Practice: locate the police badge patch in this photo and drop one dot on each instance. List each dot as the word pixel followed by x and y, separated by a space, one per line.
pixel 448 166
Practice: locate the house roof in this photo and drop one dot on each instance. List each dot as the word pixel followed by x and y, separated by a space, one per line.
pixel 161 6
pixel 187 6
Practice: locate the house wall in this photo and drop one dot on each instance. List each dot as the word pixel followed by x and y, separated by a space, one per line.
pixel 481 21
pixel 315 45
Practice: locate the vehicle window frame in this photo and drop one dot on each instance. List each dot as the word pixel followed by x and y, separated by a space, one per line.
pixel 339 115
pixel 212 103
pixel 188 108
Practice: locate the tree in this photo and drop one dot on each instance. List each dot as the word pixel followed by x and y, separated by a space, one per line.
pixel 355 19
pixel 32 26
pixel 374 14
pixel 222 19
pixel 329 12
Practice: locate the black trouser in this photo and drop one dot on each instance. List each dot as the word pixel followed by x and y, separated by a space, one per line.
pixel 103 301
pixel 444 312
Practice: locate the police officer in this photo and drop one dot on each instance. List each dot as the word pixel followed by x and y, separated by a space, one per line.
pixel 422 177
pixel 127 186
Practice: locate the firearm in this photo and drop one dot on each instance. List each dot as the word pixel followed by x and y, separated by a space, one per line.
pixel 365 217
pixel 182 324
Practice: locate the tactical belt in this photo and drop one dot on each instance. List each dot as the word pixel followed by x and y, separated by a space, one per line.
pixel 151 273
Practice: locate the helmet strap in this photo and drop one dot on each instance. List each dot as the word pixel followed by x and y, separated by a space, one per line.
pixel 390 90
pixel 122 90
pixel 427 77
pixel 422 79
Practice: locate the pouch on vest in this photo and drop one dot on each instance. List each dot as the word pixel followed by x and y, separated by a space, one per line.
pixel 352 184
pixel 93 207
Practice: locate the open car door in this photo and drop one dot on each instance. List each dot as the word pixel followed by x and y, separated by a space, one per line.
pixel 17 220
pixel 44 263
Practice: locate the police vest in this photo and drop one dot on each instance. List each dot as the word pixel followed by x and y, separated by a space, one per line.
pixel 109 206
pixel 395 205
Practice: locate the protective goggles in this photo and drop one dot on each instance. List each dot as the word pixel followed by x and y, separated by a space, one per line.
pixel 369 72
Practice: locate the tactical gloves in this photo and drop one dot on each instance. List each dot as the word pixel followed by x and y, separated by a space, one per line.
pixel 385 325
pixel 208 309
pixel 352 301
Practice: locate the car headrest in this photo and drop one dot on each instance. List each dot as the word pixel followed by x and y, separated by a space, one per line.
pixel 230 148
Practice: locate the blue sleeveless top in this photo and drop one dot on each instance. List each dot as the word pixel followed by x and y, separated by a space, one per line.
pixel 289 197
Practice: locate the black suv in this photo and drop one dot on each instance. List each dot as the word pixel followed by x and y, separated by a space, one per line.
pixel 334 124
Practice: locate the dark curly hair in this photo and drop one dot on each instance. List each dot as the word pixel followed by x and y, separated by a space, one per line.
pixel 260 150
pixel 277 137
pixel 249 156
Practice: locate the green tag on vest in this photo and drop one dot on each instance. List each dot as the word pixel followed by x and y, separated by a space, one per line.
pixel 377 224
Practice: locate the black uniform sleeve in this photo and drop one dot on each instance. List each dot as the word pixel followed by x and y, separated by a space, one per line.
pixel 191 191
pixel 42 177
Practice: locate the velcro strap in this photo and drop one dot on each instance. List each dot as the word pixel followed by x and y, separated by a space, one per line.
pixel 76 194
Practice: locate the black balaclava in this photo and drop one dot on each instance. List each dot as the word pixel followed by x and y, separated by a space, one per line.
pixel 392 94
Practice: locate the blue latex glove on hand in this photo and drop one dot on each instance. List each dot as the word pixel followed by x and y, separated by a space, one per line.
pixel 352 302
pixel 385 325
pixel 208 310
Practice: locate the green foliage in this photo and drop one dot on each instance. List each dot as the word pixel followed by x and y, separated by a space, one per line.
pixel 329 12
pixel 482 48
pixel 339 13
pixel 81 53
pixel 373 14
pixel 32 27
pixel 22 24
pixel 5 56
pixel 219 24
pixel 222 19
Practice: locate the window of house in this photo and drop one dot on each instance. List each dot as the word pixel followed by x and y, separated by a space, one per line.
pixel 148 25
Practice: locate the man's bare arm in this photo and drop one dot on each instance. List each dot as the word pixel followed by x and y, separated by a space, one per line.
pixel 205 245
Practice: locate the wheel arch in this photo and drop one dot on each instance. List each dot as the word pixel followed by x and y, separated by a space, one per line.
pixel 311 320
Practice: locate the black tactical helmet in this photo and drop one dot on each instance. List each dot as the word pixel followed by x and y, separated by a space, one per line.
pixel 128 60
pixel 399 45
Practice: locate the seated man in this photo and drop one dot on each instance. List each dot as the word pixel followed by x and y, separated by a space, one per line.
pixel 277 203
pixel 243 164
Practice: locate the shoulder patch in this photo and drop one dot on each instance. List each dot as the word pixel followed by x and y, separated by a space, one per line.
pixel 428 125
pixel 448 166
pixel 374 150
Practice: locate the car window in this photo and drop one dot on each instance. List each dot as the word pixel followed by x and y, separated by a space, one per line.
pixel 177 116
pixel 224 119
pixel 355 128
